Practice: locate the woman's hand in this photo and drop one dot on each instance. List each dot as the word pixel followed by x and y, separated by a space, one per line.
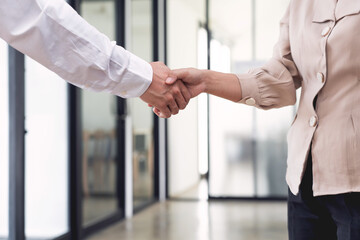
pixel 194 80
pixel 224 85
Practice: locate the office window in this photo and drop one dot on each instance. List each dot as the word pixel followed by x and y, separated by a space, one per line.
pixel 4 141
pixel 99 117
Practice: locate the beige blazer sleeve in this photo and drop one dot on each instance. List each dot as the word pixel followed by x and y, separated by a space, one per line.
pixel 274 84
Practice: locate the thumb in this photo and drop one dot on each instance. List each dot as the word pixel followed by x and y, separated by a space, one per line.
pixel 171 78
pixel 176 74
pixel 182 73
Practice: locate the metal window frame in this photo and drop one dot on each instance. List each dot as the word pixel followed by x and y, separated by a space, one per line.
pixel 156 120
pixel 120 17
pixel 164 12
pixel 16 145
pixel 160 40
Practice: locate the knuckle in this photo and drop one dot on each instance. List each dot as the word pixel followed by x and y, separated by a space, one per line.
pixel 176 90
pixel 176 109
pixel 169 98
pixel 162 105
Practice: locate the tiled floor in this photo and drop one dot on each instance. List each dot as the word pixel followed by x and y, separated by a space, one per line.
pixel 203 220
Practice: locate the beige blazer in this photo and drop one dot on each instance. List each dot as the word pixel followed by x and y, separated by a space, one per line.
pixel 319 51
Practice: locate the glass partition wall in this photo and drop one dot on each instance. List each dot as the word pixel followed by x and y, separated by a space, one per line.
pixel 244 147
pixel 247 146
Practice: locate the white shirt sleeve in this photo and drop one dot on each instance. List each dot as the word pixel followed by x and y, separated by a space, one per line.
pixel 53 34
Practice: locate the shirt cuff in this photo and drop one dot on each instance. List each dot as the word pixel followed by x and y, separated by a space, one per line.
pixel 136 78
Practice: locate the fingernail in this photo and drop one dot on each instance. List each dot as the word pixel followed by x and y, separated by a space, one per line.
pixel 169 80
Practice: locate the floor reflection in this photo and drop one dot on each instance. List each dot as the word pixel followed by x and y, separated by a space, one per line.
pixel 203 220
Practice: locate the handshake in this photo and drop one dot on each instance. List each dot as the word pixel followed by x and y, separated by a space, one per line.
pixel 171 91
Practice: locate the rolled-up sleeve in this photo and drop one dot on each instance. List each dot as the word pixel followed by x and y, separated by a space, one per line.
pixel 53 34
pixel 274 84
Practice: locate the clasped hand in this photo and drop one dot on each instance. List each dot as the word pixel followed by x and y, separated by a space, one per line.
pixel 167 95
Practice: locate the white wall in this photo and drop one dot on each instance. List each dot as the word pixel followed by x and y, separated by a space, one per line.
pixel 4 140
pixel 46 153
pixel 182 30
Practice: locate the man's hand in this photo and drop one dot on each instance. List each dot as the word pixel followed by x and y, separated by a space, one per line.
pixel 168 99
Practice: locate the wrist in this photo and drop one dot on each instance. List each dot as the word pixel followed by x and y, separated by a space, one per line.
pixel 206 80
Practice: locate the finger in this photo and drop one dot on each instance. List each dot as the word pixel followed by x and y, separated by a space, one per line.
pixel 185 92
pixel 170 80
pixel 159 113
pixel 163 116
pixel 156 111
pixel 171 77
pixel 165 112
pixel 179 98
pixel 180 73
pixel 173 107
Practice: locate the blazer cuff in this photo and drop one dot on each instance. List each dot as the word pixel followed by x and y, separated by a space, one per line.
pixel 249 89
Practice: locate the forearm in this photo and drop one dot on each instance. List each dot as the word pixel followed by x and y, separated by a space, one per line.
pixel 224 85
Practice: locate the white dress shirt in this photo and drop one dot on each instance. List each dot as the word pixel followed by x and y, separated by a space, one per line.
pixel 53 34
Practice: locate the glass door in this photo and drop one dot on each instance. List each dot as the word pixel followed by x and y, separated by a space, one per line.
pixel 99 131
pixel 142 117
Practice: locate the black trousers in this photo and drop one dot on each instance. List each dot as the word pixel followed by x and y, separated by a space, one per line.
pixel 324 217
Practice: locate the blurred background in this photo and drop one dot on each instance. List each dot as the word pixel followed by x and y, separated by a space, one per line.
pixel 91 159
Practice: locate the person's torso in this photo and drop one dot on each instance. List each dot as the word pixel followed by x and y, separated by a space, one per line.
pixel 325 46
